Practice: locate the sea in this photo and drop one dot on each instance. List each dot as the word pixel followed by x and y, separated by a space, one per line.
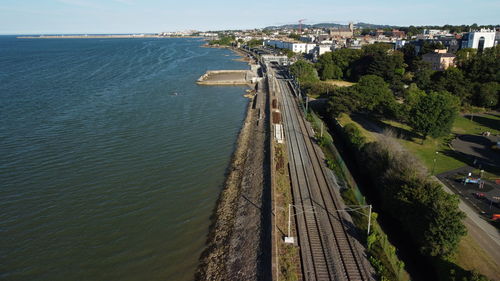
pixel 111 156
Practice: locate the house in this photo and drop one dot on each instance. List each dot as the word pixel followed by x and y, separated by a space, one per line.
pixel 342 32
pixel 484 38
pixel 439 60
pixel 295 47
pixel 398 34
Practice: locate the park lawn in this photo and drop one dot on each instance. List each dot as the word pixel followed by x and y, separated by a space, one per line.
pixel 345 119
pixel 427 153
pixel 464 125
pixel 471 256
pixel 340 83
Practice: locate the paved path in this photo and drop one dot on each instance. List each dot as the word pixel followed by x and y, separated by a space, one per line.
pixel 485 234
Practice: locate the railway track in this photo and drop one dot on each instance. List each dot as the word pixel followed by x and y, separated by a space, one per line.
pixel 328 251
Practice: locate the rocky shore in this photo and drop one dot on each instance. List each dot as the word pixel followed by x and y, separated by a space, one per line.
pixel 239 240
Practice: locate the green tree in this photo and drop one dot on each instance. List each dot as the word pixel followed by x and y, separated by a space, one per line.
pixel 445 227
pixel 224 40
pixel 486 94
pixel 453 81
pixel 341 60
pixel 304 71
pixel 423 75
pixel 374 95
pixel 378 59
pixel 356 138
pixel 434 114
pixel 331 71
pixel 255 42
pixel 484 67
pixel 429 47
pixel 409 55
pixel 343 100
pixel 412 96
pixel 294 36
pixel 412 30
pixel 464 56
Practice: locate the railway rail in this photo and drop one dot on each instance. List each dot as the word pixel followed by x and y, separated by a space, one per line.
pixel 327 246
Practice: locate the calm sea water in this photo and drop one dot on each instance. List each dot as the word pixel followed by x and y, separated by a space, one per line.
pixel 105 172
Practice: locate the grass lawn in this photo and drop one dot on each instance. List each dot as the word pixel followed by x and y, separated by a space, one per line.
pixel 479 124
pixel 344 119
pixel 427 152
pixel 339 83
pixel 471 256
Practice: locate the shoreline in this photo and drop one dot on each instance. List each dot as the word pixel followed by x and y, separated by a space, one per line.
pixel 233 249
pixel 121 36
pixel 214 257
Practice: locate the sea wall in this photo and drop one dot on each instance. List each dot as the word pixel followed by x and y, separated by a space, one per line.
pixel 227 77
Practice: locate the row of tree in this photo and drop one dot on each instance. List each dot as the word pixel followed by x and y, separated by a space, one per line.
pixel 474 81
pixel 423 209
pixel 399 84
pixel 223 40
pixel 415 30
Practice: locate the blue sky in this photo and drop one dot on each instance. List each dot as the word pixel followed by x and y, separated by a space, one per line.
pixel 135 16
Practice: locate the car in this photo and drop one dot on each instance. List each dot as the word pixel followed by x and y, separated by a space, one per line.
pixel 496 146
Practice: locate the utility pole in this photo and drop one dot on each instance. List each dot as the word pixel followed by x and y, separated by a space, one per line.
pixel 434 164
pixel 289 218
pixel 369 219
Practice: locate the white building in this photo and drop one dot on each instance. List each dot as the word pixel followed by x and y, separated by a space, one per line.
pixel 434 32
pixel 400 44
pixel 295 47
pixel 485 38
pixel 321 49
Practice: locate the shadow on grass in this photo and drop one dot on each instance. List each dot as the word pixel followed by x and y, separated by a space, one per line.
pixel 374 125
pixel 450 271
pixel 472 161
pixel 491 123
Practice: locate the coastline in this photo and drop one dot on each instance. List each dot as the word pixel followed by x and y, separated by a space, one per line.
pixel 214 257
pixel 119 36
pixel 235 238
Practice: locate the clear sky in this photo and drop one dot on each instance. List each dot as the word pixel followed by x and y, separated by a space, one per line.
pixel 137 16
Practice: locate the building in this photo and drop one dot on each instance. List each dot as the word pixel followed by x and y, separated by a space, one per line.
pixel 451 43
pixel 400 44
pixel 398 34
pixel 342 32
pixel 295 47
pixel 439 60
pixel 484 38
pixel 435 32
pixel 321 49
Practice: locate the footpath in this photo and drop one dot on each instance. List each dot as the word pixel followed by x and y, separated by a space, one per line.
pixel 483 233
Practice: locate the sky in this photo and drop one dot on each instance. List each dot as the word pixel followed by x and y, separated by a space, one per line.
pixel 153 16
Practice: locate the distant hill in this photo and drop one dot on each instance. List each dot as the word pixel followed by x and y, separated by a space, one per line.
pixel 331 25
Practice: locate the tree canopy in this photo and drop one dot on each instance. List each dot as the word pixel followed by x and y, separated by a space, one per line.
pixel 304 71
pixel 434 114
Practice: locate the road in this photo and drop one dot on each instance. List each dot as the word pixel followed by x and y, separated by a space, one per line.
pixel 327 238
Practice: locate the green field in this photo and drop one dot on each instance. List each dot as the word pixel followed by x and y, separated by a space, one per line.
pixel 445 159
